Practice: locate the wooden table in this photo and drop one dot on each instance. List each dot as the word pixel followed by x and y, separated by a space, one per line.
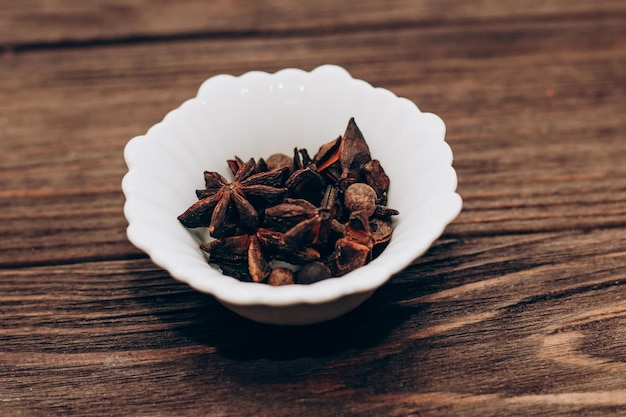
pixel 518 309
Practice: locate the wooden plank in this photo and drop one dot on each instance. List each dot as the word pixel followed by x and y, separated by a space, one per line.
pixel 35 23
pixel 518 309
pixel 535 150
pixel 502 325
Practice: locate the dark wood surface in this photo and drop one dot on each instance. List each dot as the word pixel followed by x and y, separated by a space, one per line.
pixel 518 309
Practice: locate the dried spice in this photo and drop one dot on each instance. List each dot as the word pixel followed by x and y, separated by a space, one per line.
pixel 227 208
pixel 302 223
pixel 360 197
pixel 313 272
pixel 323 216
pixel 281 276
pixel 305 182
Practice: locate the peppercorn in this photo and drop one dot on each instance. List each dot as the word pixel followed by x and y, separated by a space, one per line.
pixel 360 197
pixel 313 272
pixel 280 276
pixel 280 160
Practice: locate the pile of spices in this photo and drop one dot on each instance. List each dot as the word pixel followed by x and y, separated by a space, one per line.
pixel 296 220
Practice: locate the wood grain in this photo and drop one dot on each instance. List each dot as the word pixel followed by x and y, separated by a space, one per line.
pixel 27 24
pixel 518 309
pixel 522 166
pixel 461 331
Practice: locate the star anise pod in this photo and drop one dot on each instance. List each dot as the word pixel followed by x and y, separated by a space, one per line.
pixel 273 242
pixel 304 233
pixel 233 252
pixel 305 182
pixel 327 162
pixel 362 240
pixel 302 223
pixel 354 153
pixel 236 163
pixel 343 159
pixel 288 214
pixel 247 254
pixel 228 207
pixel 354 249
pixel 376 178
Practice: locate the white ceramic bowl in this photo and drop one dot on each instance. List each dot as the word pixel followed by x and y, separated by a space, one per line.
pixel 257 114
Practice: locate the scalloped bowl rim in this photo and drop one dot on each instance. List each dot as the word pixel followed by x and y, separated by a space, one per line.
pixel 201 276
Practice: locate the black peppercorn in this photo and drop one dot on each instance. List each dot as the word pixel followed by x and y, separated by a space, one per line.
pixel 312 272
